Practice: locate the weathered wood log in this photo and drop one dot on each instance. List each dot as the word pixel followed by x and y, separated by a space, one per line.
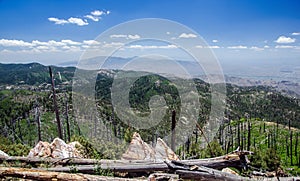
pixel 72 161
pixel 25 173
pixel 201 173
pixel 91 169
pixel 186 174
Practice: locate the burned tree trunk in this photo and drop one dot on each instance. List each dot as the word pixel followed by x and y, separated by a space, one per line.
pixel 173 124
pixel 38 120
pixel 59 130
pixel 67 119
pixel 291 147
pixel 249 135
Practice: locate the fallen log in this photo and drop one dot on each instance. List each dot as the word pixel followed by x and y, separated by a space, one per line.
pixel 186 174
pixel 70 161
pixel 202 173
pixel 140 166
pixel 25 173
pixel 230 160
pixel 132 168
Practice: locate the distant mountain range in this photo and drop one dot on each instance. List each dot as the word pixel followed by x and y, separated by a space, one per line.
pixel 35 74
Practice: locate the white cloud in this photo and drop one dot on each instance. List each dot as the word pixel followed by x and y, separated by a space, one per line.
pixel 215 41
pixel 113 44
pixel 296 33
pixel 152 46
pixel 6 51
pixel 237 47
pixel 91 42
pixel 58 21
pixel 283 39
pixel 185 35
pixel 78 21
pixel 71 42
pixel 66 47
pixel 133 37
pixel 255 48
pixel 97 13
pixel 42 47
pixel 49 43
pixel 74 48
pixel 15 43
pixel 118 36
pixel 100 13
pixel 284 46
pixel 266 46
pixel 94 18
pixel 212 47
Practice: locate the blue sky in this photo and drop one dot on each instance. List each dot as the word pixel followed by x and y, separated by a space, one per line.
pixel 253 32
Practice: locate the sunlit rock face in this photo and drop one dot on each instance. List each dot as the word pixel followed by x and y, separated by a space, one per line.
pixel 139 150
pixel 3 154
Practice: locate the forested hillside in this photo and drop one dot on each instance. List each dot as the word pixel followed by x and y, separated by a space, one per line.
pixel 256 118
pixel 32 74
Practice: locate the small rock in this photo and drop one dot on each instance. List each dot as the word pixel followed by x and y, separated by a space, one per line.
pixel 3 154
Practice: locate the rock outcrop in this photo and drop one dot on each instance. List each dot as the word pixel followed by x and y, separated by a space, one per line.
pixel 139 150
pixel 42 149
pixel 57 149
pixel 3 154
pixel 163 151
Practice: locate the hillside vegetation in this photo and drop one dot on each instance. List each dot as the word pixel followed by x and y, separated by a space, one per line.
pixel 256 118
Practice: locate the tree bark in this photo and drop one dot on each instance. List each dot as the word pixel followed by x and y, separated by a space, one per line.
pixel 25 173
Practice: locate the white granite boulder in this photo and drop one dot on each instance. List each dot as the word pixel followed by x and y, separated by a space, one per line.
pixel 139 150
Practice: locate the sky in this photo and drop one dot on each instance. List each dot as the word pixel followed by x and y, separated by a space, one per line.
pixel 261 33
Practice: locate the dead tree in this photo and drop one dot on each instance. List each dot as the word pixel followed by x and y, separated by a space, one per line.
pixel 38 120
pixel 296 147
pixel 173 124
pixel 67 119
pixel 291 147
pixel 59 130
pixel 249 135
